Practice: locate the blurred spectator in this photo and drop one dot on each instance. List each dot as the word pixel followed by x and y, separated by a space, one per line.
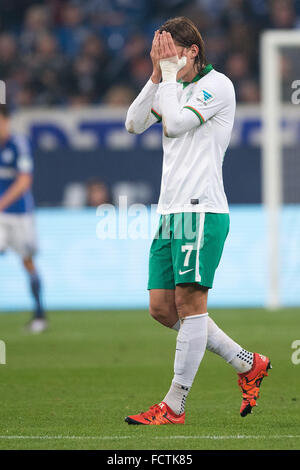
pixel 122 69
pixel 72 32
pixel 24 98
pixel 91 194
pixel 114 12
pixel 119 95
pixel 249 91
pixel 8 55
pixel 81 52
pixel 77 101
pixel 282 14
pixel 212 7
pixel 47 67
pixel 12 12
pixel 96 193
pixel 240 40
pixel 36 22
pixel 140 71
pixel 83 79
pixel 94 48
pixel 136 46
pixel 216 46
pixel 237 66
pixel 87 75
pixel 168 8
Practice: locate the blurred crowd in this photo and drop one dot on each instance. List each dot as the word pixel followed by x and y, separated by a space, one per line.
pixel 82 52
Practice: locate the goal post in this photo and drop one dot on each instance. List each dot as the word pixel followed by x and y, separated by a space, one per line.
pixel 274 107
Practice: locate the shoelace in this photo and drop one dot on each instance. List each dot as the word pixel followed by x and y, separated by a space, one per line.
pixel 153 410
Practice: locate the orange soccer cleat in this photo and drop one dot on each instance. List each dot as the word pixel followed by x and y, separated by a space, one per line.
pixel 157 414
pixel 249 382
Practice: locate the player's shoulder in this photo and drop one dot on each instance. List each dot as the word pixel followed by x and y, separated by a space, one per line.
pixel 218 83
pixel 21 142
pixel 19 138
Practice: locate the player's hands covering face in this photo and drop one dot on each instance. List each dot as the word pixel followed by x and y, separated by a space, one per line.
pixel 155 57
pixel 165 58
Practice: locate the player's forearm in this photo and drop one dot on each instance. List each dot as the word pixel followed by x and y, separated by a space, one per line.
pixel 176 121
pixel 139 116
pixel 15 191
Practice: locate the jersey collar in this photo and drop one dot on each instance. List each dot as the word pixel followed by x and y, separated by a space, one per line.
pixel 199 75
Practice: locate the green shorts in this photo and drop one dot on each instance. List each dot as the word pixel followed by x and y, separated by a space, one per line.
pixel 187 248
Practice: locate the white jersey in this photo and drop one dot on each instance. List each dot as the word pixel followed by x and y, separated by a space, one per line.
pixel 192 160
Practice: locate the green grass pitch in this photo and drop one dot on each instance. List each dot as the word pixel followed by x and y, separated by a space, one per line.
pixel 72 386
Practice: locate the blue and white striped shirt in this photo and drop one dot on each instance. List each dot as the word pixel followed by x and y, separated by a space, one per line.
pixel 15 158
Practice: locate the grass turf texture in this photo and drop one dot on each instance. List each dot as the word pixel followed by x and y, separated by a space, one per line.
pixel 72 386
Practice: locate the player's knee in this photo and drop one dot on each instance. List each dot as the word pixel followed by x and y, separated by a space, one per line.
pixel 191 300
pixel 159 312
pixel 155 311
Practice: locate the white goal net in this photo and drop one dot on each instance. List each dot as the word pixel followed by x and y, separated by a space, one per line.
pixel 280 98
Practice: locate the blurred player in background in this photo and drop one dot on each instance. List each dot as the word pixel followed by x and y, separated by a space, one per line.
pixel 196 105
pixel 17 230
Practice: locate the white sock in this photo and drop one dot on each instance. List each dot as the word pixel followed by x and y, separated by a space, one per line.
pixel 190 349
pixel 176 397
pixel 217 341
pixel 243 361
pixel 221 344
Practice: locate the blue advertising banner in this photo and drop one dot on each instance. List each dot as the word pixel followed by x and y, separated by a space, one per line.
pixel 91 128
pixel 139 169
pixel 87 266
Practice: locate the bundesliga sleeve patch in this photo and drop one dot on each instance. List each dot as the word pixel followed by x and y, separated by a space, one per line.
pixel 205 96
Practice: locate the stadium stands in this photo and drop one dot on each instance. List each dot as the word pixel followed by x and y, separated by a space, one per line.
pixel 89 52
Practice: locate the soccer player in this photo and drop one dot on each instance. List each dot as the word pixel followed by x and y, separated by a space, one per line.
pixel 196 105
pixel 16 207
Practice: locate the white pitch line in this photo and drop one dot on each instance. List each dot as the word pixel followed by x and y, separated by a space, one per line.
pixel 103 438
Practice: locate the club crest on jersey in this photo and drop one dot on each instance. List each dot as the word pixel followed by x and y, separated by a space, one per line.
pixel 205 96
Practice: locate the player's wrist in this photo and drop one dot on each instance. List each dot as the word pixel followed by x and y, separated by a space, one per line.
pixel 156 77
pixel 170 67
